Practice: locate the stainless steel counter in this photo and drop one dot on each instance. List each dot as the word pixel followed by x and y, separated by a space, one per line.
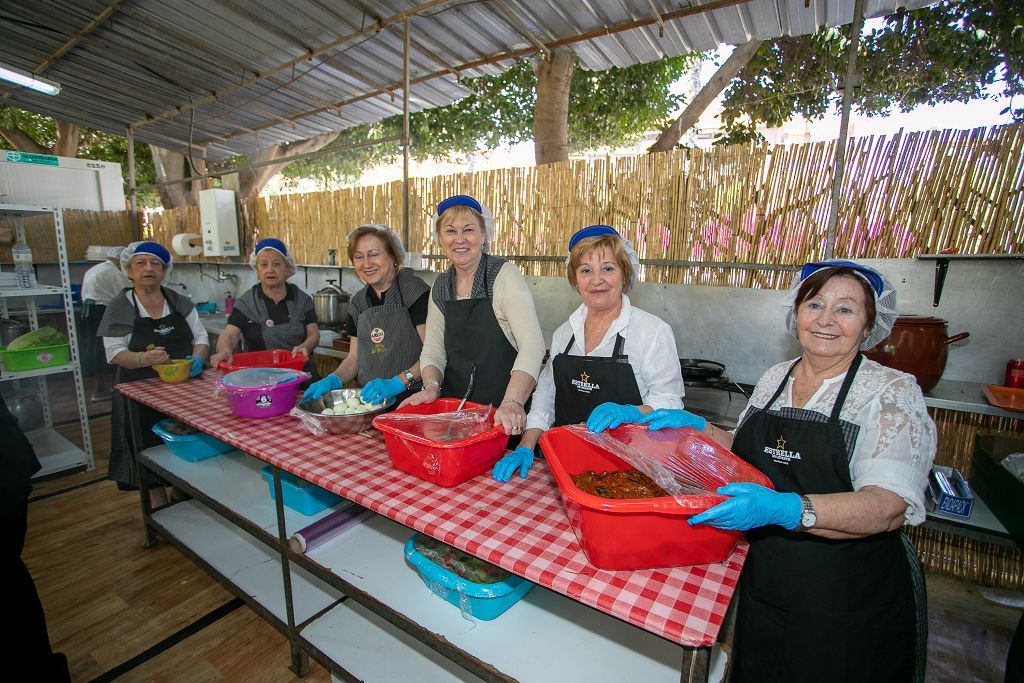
pixel 720 408
pixel 965 397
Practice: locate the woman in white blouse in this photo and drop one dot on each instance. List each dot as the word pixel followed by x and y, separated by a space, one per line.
pixel 611 362
pixel 146 325
pixel 831 590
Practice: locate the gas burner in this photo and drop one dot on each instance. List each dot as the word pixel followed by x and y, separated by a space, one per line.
pixel 722 382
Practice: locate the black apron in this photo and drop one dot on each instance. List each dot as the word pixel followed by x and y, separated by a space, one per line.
pixel 472 336
pixel 94 360
pixel 174 334
pixel 810 608
pixel 284 336
pixel 388 341
pixel 584 382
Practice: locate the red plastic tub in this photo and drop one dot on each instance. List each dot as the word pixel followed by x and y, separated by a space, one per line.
pixel 277 358
pixel 649 532
pixel 446 463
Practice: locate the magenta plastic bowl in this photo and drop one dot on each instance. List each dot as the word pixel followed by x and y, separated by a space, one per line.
pixel 263 401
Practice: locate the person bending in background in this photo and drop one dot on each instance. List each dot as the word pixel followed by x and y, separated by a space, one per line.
pixel 832 589
pixel 273 313
pixel 613 362
pixel 386 320
pixel 483 338
pixel 101 284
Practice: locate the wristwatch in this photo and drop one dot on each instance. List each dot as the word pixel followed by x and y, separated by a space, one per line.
pixel 409 378
pixel 808 518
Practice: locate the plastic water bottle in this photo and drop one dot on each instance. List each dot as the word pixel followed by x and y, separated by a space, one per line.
pixel 229 303
pixel 23 265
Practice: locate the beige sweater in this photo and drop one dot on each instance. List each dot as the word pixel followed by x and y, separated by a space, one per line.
pixel 517 317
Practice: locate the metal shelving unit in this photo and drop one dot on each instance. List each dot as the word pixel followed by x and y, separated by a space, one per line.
pixel 55 452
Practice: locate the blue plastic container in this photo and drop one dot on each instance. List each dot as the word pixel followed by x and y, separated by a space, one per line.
pixel 299 494
pixel 191 447
pixel 484 601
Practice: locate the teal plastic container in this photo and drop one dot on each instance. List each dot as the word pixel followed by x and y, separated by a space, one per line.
pixel 191 447
pixel 299 494
pixel 484 601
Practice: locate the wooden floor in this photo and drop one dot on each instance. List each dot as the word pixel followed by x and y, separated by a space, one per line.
pixel 108 600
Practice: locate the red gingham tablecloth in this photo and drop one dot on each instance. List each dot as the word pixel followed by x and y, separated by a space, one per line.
pixel 520 526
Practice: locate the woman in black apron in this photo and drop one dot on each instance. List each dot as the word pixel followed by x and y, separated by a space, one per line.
pixel 147 325
pixel 831 590
pixel 386 320
pixel 592 373
pixel 483 338
pixel 273 313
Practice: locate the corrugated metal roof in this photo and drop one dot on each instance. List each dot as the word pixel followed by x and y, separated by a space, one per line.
pixel 234 76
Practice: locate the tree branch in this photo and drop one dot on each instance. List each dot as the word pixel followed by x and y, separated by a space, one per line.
pixel 703 99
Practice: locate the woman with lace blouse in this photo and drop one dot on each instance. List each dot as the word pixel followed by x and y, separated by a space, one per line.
pixel 831 589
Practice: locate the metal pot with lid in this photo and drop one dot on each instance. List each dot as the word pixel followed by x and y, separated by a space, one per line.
pixel 919 345
pixel 11 330
pixel 331 304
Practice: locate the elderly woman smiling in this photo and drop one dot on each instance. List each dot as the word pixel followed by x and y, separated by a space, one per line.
pixel 614 361
pixel 828 589
pixel 483 337
pixel 273 313
pixel 145 325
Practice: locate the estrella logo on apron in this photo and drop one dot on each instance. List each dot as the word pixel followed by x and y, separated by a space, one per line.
pixel 584 385
pixel 377 336
pixel 779 454
pixel 163 330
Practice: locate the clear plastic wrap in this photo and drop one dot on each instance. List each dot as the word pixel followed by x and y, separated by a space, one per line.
pixel 683 462
pixel 323 530
pixel 251 378
pixel 440 427
pixel 312 425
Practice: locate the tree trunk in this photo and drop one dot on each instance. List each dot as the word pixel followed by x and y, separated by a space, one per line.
pixel 21 141
pixel 551 113
pixel 252 181
pixel 68 135
pixel 703 99
pixel 173 166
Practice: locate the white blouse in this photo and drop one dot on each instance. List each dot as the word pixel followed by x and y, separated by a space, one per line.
pixel 896 441
pixel 115 345
pixel 649 343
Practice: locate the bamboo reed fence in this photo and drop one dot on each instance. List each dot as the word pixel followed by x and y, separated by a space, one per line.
pixel 81 228
pixel 723 216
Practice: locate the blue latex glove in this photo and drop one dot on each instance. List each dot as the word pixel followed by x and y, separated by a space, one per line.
pixel 376 390
pixel 752 506
pixel 521 458
pixel 611 415
pixel 317 389
pixel 666 417
pixel 197 366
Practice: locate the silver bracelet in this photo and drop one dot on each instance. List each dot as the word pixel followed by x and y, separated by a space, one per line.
pixel 432 383
pixel 512 400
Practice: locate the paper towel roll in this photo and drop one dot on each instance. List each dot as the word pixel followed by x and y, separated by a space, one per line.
pixel 187 244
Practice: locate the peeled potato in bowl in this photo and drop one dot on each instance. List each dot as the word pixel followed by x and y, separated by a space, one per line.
pixel 342 411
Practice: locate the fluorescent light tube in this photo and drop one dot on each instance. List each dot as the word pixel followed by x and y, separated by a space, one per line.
pixel 28 80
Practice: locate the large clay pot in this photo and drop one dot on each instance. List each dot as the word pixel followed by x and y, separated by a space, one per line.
pixel 918 345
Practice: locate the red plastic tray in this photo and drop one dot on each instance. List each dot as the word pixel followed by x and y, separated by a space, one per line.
pixel 649 532
pixel 446 463
pixel 277 358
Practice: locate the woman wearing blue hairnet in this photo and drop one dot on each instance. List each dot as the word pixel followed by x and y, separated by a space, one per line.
pixel 611 362
pixel 831 590
pixel 483 337
pixel 145 325
pixel 273 313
